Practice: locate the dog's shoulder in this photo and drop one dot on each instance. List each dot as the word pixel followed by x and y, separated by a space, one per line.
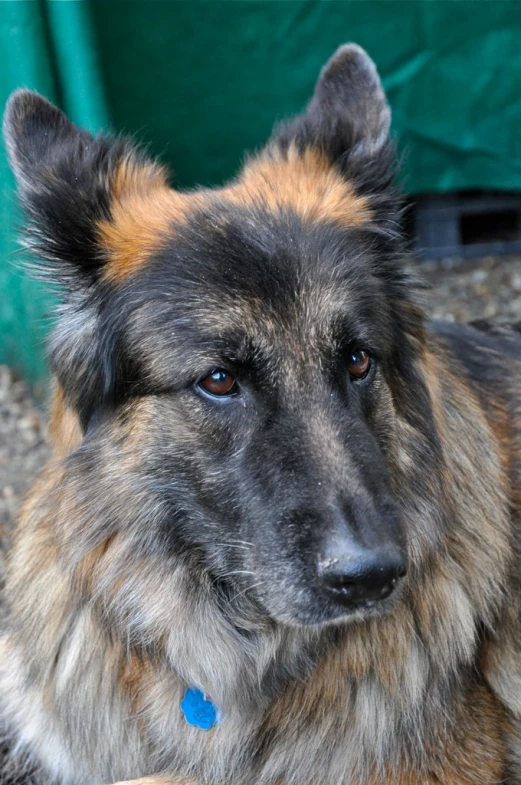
pixel 480 363
pixel 480 333
pixel 488 353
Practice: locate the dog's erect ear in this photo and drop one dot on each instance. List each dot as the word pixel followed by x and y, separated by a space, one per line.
pixel 68 181
pixel 348 118
pixel 350 96
pixel 84 197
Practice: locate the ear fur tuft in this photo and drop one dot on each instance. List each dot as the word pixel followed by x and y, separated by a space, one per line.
pixel 68 180
pixel 71 183
pixel 348 119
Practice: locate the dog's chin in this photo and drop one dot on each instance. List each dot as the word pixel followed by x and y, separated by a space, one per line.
pixel 323 613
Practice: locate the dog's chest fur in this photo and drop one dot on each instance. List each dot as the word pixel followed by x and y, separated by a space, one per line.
pixel 327 729
pixel 351 718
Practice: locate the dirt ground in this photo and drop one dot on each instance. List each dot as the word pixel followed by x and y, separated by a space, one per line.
pixel 462 291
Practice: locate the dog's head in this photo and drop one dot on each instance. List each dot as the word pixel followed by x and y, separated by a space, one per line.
pixel 257 343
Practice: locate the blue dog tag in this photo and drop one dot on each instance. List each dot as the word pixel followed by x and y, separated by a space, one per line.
pixel 197 710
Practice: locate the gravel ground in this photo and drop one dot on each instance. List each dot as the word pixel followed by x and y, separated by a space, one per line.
pixel 489 288
pixel 23 446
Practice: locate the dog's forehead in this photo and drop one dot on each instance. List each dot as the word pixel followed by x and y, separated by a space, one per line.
pixel 149 216
pixel 257 287
pixel 231 268
pixel 275 259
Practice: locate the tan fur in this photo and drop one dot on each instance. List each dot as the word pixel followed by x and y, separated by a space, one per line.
pixel 64 427
pixel 145 210
pixel 304 182
pixel 470 750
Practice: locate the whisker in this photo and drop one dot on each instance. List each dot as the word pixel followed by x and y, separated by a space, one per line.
pixel 243 591
pixel 231 545
pixel 230 574
pixel 235 572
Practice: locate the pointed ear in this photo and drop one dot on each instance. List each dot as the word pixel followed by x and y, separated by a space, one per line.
pixel 68 181
pixel 348 118
pixel 80 194
pixel 34 130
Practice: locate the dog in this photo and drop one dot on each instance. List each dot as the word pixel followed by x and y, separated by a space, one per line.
pixel 278 538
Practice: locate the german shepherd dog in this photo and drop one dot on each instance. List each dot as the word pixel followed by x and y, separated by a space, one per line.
pixel 278 542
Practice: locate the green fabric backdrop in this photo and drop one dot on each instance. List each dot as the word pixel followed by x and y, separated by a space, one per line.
pixel 49 47
pixel 200 81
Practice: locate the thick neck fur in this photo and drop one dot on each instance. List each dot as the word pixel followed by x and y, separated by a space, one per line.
pixel 104 638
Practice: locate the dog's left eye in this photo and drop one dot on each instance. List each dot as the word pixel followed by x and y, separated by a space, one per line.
pixel 359 364
pixel 219 383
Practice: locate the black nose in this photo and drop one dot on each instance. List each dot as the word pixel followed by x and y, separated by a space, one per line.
pixel 364 577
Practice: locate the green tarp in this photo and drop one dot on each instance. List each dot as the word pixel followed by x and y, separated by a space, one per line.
pixel 200 81
pixel 49 47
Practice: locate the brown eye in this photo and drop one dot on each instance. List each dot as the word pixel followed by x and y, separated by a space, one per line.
pixel 359 363
pixel 219 383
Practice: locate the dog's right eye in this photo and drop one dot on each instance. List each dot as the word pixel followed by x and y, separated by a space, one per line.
pixel 359 364
pixel 218 383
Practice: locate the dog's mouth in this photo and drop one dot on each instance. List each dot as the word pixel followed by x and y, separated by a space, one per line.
pixel 325 614
pixel 341 601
